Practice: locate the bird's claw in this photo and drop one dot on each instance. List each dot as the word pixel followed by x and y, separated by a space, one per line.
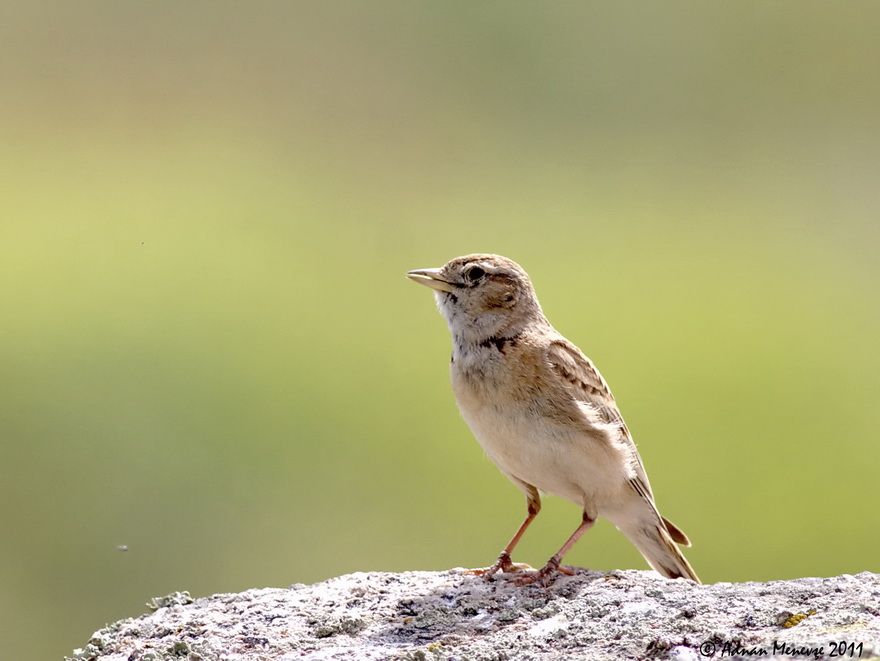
pixel 545 575
pixel 503 565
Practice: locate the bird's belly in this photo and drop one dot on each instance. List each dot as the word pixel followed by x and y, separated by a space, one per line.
pixel 564 462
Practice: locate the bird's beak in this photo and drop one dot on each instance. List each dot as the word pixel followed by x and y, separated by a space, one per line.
pixel 430 278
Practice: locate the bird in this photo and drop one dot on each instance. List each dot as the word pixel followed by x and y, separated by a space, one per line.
pixel 544 414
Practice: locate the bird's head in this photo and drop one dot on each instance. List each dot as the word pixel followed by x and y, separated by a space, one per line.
pixel 482 296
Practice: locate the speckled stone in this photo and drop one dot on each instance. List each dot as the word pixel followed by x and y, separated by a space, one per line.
pixel 455 616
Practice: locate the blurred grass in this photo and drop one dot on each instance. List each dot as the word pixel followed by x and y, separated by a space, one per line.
pixel 209 353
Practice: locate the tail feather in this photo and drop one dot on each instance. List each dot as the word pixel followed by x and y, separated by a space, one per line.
pixel 675 532
pixel 653 535
pixel 657 545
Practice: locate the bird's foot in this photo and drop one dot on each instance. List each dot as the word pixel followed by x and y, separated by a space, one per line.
pixel 545 575
pixel 503 565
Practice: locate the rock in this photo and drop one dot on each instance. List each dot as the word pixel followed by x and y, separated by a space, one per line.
pixel 453 615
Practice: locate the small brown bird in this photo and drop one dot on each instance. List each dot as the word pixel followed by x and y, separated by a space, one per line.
pixel 543 413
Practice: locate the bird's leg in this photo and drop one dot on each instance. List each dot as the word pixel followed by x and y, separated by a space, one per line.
pixel 504 564
pixel 545 575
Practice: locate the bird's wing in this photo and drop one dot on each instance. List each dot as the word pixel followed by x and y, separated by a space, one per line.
pixel 586 386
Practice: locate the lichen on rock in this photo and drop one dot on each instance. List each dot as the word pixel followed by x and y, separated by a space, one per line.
pixel 455 616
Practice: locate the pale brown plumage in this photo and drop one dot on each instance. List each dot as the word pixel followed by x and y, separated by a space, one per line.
pixel 542 411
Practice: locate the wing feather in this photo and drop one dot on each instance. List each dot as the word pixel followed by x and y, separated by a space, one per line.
pixel 587 386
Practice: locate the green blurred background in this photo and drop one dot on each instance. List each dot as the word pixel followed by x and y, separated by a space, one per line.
pixel 208 351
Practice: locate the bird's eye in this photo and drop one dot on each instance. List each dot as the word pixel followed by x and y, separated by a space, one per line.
pixel 474 273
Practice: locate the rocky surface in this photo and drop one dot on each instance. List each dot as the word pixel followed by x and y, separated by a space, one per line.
pixel 453 615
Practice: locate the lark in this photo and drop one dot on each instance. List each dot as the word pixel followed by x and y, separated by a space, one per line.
pixel 543 413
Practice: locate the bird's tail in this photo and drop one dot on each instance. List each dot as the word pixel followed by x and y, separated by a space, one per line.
pixel 654 540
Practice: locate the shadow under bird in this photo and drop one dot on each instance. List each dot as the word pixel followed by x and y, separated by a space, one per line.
pixel 543 413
